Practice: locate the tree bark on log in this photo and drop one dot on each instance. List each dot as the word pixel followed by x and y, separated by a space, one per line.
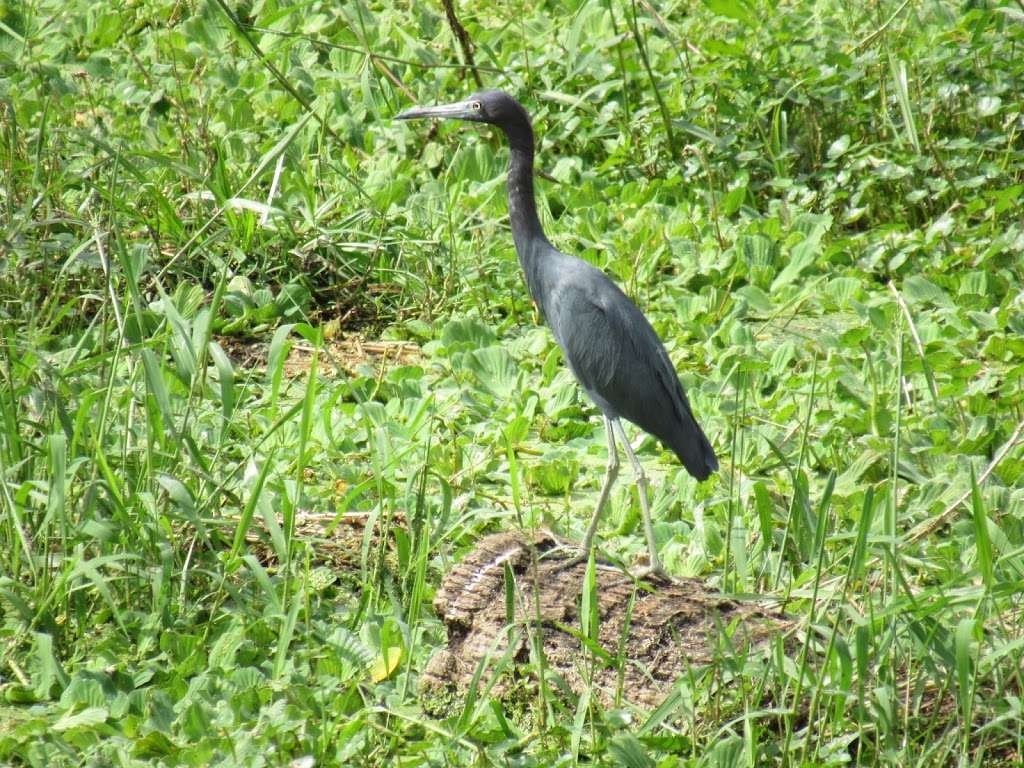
pixel 649 634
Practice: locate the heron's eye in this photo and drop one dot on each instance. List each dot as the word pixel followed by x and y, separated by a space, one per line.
pixel 476 105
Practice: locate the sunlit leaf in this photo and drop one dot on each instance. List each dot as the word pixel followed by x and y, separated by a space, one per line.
pixel 385 664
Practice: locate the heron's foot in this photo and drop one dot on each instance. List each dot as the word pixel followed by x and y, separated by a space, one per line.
pixel 563 549
pixel 572 562
pixel 655 573
pixel 581 556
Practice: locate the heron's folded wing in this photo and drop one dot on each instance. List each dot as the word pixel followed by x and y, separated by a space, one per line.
pixel 590 328
pixel 616 355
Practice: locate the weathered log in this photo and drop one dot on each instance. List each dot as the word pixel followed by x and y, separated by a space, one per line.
pixel 650 633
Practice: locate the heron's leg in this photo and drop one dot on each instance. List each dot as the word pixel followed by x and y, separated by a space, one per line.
pixel 654 566
pixel 611 472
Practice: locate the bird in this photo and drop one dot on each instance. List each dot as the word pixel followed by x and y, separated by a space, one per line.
pixel 607 342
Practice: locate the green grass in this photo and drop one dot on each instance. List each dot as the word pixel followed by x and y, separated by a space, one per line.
pixel 819 209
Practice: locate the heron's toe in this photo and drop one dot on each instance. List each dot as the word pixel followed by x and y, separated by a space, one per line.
pixel 572 562
pixel 655 572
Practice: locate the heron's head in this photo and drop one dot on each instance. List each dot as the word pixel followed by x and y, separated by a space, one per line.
pixel 495 107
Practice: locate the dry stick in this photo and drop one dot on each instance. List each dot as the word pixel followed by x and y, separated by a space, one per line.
pixel 105 263
pixel 917 338
pixel 929 378
pixel 272 68
pixel 930 526
pixel 871 38
pixel 694 149
pixel 284 83
pixel 385 70
pixel 18 673
pixel 273 189
pixel 642 49
pixel 684 65
pixel 463 37
pixel 383 57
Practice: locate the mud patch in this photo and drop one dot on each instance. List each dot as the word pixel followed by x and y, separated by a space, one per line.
pixel 663 630
pixel 346 354
pixel 336 541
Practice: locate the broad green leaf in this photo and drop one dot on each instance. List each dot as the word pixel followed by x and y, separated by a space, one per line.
pixel 495 370
pixel 739 10
pixel 462 334
pixel 88 717
pixel 222 653
pixel 919 290
pixel 838 147
pixel 627 751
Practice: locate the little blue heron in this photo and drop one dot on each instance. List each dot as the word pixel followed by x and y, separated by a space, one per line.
pixel 609 345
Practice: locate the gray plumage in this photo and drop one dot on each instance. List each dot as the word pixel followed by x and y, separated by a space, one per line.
pixel 609 345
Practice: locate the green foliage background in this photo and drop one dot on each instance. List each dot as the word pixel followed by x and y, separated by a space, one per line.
pixel 819 207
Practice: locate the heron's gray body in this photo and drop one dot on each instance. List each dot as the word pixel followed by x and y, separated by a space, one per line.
pixel 609 345
pixel 615 354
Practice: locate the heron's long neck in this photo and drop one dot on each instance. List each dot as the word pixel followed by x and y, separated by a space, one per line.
pixel 522 207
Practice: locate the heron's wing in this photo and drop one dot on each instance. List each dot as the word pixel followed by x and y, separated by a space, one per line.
pixel 601 333
pixel 615 353
pixel 576 322
pixel 622 364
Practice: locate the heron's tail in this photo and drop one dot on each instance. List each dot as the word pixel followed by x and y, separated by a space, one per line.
pixel 694 449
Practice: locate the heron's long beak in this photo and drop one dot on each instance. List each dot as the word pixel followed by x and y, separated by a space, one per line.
pixel 460 110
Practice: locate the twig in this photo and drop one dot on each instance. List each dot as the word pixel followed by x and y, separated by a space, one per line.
pixel 326 45
pixel 930 526
pixel 463 37
pixel 917 338
pixel 377 63
pixel 390 75
pixel 684 65
pixel 273 189
pixel 871 38
pixel 105 263
pixel 18 673
pixel 666 118
pixel 274 71
pixel 929 377
pixel 694 149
